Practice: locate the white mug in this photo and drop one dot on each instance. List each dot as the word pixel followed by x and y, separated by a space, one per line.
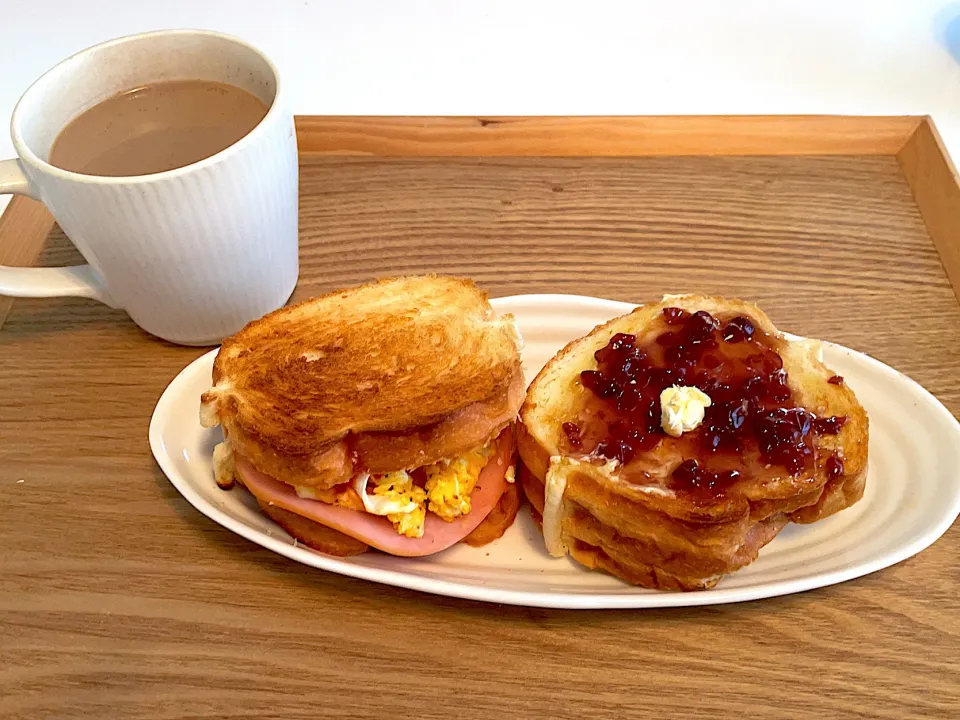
pixel 191 254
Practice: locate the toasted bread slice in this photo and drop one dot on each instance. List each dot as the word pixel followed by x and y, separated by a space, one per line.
pixel 391 375
pixel 312 534
pixel 631 520
pixel 498 521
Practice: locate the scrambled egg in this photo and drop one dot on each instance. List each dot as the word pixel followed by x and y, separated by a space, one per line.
pixel 682 409
pixel 396 496
pixel 343 497
pixel 450 482
pixel 447 492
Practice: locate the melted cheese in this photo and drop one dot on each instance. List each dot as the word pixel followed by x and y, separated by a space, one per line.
pixel 223 465
pixel 554 509
pixel 307 492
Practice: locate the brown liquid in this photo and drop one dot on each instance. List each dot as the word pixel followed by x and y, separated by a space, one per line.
pixel 157 127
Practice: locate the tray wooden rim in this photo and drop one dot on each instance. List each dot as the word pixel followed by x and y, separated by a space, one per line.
pixel 605 135
pixel 912 140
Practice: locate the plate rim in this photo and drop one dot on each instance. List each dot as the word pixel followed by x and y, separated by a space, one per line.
pixel 641 599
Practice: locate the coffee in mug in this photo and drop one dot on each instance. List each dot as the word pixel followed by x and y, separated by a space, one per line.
pixel 170 160
pixel 157 127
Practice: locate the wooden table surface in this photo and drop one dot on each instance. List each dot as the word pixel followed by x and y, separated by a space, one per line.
pixel 118 599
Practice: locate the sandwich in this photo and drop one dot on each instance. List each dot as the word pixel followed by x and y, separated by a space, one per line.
pixel 379 416
pixel 668 446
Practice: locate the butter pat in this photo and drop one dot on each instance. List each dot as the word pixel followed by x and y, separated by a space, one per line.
pixel 681 409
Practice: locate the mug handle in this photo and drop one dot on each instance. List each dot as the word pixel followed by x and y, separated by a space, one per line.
pixel 71 281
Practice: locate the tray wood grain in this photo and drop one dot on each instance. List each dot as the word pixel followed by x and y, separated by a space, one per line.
pixel 117 599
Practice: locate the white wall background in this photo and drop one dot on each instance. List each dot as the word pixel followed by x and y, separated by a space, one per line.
pixel 503 57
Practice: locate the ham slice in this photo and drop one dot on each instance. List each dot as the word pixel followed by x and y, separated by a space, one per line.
pixel 378 531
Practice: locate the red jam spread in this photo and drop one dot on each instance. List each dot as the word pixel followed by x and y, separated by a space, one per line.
pixel 753 427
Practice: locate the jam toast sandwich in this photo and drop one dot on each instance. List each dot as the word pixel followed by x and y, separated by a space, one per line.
pixel 669 445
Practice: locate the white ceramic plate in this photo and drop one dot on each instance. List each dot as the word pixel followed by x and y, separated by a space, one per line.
pixel 912 495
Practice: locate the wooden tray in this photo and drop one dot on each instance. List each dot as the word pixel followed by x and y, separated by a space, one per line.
pixel 118 599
